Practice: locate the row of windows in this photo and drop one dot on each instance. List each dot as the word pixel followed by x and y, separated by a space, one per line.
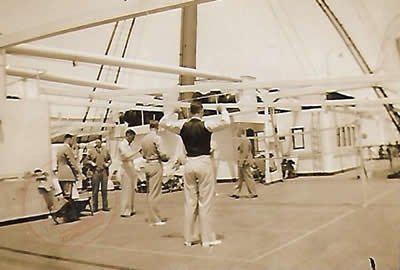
pixel 297 136
pixel 346 136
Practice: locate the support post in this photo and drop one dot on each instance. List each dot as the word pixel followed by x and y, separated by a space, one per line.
pixel 267 133
pixel 3 91
pixel 362 171
pixel 188 47
pixel 3 63
pixel 278 151
pixel 31 88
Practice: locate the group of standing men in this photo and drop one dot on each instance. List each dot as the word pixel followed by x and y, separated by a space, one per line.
pixel 199 176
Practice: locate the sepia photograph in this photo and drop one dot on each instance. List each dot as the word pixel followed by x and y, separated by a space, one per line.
pixel 200 134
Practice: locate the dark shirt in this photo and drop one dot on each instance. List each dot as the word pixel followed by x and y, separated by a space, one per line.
pixel 196 138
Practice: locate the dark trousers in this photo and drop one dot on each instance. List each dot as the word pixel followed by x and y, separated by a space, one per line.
pixel 100 177
pixel 71 213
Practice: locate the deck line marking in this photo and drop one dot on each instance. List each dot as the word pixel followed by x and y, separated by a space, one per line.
pixel 320 227
pixel 379 196
pixel 150 251
pixel 305 235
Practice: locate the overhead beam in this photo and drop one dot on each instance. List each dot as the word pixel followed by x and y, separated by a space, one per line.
pixel 54 100
pixel 79 133
pixel 73 119
pixel 46 76
pixel 296 86
pixel 64 123
pixel 108 60
pixel 98 96
pixel 94 16
pixel 315 86
pixel 347 102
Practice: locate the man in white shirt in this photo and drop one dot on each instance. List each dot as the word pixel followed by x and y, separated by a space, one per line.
pixel 199 176
pixel 129 175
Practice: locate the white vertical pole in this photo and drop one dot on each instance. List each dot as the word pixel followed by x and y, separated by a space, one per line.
pixel 31 88
pixel 3 91
pixel 362 169
pixel 170 101
pixel 3 63
pixel 277 149
pixel 267 129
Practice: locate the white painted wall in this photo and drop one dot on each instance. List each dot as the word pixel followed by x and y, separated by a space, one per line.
pixel 332 158
pixel 25 140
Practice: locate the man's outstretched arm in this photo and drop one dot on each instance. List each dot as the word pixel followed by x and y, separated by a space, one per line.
pixel 171 123
pixel 221 123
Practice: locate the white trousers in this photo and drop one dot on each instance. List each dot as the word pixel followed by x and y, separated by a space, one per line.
pixel 128 185
pixel 199 192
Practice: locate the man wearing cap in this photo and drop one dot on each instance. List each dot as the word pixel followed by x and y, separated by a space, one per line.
pixel 199 177
pixel 154 172
pixel 101 160
pixel 129 175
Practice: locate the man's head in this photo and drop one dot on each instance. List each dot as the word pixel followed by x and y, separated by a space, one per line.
pixel 68 139
pixel 130 135
pixel 153 124
pixel 240 132
pixel 196 108
pixel 98 143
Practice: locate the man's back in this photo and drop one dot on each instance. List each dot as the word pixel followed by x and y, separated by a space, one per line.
pixel 245 154
pixel 196 138
pixel 150 146
pixel 66 163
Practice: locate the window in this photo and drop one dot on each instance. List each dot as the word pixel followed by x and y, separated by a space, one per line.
pixel 353 134
pixel 345 136
pixel 298 138
pixel 348 136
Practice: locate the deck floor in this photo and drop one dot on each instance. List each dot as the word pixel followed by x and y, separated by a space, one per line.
pixel 305 223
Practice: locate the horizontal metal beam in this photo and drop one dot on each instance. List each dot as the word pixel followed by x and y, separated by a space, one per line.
pixel 78 102
pixel 78 131
pixel 108 60
pixel 94 14
pixel 289 88
pixel 327 103
pixel 70 93
pixel 295 86
pixel 68 124
pixel 46 76
pixel 76 119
